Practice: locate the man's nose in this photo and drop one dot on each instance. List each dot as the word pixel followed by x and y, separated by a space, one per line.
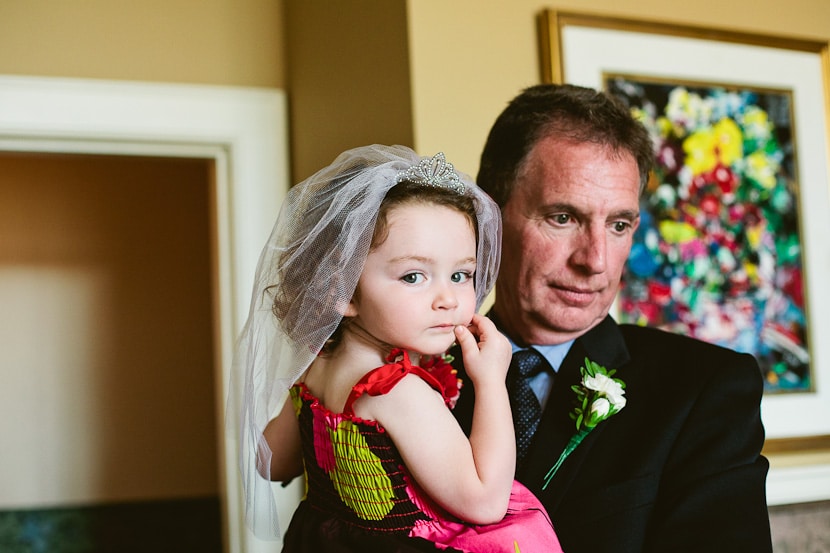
pixel 591 250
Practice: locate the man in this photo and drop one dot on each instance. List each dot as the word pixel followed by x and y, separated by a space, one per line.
pixel 679 468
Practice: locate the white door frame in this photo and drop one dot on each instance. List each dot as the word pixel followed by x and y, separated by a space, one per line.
pixel 243 130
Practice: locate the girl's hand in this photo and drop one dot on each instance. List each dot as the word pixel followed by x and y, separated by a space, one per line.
pixel 476 485
pixel 485 350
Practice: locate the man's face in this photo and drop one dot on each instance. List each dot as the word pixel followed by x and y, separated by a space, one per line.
pixel 568 227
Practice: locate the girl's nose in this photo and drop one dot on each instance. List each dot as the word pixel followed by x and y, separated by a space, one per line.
pixel 445 298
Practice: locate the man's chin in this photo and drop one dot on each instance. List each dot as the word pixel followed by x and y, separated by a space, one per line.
pixel 567 325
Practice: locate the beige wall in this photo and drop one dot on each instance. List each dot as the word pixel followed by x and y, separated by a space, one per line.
pixel 426 73
pixel 469 57
pixel 227 42
pixel 348 78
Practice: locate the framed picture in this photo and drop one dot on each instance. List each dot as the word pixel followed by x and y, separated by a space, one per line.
pixel 718 254
pixel 734 239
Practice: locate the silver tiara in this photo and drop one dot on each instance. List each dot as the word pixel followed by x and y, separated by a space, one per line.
pixel 434 171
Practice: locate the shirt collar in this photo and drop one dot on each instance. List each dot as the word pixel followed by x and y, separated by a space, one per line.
pixel 554 354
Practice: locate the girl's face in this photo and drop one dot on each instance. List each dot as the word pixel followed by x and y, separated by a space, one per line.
pixel 418 284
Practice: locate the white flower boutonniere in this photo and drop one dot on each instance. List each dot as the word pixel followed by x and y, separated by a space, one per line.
pixel 598 397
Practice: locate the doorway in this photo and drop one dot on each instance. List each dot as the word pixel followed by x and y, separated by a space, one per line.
pixel 107 353
pixel 244 133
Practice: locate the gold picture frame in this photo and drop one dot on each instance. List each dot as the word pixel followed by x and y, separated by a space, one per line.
pixel 580 48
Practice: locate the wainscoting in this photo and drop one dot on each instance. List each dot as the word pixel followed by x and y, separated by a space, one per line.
pixel 194 525
pixel 800 528
pixel 180 526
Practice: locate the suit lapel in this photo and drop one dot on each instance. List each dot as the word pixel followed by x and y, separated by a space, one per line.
pixel 604 345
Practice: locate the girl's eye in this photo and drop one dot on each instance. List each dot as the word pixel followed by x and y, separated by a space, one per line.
pixel 412 278
pixel 461 276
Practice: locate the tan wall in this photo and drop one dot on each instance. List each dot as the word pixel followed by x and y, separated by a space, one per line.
pixel 348 78
pixel 462 60
pixel 226 42
pixel 470 57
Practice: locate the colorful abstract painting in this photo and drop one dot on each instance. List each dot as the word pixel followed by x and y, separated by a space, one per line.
pixel 718 252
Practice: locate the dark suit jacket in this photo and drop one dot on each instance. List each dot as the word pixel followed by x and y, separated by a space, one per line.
pixel 678 469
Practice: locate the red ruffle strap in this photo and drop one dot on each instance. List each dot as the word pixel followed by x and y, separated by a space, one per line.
pixel 382 379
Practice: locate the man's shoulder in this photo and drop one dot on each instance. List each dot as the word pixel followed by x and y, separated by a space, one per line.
pixel 643 341
pixel 658 334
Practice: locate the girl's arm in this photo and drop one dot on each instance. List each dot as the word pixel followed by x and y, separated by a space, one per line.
pixel 283 436
pixel 471 478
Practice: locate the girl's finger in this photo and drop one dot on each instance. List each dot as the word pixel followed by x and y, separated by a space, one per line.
pixel 483 324
pixel 465 340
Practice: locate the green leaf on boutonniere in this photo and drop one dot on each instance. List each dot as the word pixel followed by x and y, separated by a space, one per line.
pixel 598 397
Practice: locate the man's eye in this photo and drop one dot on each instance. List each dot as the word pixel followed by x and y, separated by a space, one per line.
pixel 561 218
pixel 412 278
pixel 621 226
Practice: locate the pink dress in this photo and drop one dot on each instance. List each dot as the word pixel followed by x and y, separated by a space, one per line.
pixel 361 497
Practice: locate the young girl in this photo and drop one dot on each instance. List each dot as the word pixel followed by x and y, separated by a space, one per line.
pixel 376 266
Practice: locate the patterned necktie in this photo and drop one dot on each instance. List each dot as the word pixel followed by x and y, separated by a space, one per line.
pixel 525 365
